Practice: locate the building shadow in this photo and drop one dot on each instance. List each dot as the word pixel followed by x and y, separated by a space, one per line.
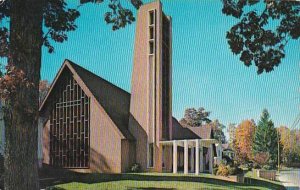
pixel 148 188
pixel 50 176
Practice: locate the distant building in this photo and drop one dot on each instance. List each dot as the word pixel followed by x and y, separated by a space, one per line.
pixel 224 153
pixel 88 124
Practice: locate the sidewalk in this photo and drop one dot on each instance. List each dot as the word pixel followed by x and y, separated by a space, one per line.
pixel 290 179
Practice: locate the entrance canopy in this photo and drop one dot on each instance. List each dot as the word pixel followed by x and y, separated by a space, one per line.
pixel 196 146
pixel 191 142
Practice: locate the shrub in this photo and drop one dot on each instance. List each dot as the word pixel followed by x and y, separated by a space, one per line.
pixel 135 168
pixel 239 171
pixel 267 167
pixel 234 170
pixel 231 170
pixel 261 158
pixel 215 170
pixel 256 166
pixel 222 170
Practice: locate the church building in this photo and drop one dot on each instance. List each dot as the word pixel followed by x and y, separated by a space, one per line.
pixel 88 124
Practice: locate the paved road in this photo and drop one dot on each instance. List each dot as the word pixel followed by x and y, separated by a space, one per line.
pixel 290 179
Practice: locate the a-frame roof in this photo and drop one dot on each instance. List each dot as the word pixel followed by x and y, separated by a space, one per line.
pixel 114 100
pixel 181 132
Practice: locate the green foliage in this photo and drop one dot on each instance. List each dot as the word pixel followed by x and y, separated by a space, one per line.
pixel 263 30
pixel 232 170
pixel 231 131
pixel 266 139
pixel 256 166
pixel 217 129
pixel 135 168
pixel 268 167
pixel 195 118
pixel 215 170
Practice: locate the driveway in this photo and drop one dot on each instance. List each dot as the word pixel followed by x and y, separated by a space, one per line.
pixel 290 179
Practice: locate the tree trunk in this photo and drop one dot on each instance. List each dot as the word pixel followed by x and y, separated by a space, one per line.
pixel 21 115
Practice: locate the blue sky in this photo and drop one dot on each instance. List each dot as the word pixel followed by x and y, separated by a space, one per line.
pixel 205 72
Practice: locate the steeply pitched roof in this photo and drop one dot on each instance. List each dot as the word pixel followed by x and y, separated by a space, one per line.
pixel 204 132
pixel 180 132
pixel 114 100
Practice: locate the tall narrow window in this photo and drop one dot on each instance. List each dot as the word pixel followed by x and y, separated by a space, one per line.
pixel 152 16
pixel 163 156
pixel 151 47
pixel 151 32
pixel 150 155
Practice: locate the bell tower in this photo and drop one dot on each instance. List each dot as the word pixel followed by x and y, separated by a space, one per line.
pixel 151 88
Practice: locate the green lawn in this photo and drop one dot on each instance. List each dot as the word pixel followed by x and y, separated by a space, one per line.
pixel 152 181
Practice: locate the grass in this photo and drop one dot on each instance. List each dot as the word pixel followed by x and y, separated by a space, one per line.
pixel 156 181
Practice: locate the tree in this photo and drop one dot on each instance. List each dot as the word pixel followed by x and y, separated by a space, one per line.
pixel 263 30
pixel 243 142
pixel 290 143
pixel 32 24
pixel 195 118
pixel 44 86
pixel 286 142
pixel 231 131
pixel 266 139
pixel 217 129
pixel 198 118
pixel 261 159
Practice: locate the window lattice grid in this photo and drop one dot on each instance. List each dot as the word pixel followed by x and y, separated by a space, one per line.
pixel 69 127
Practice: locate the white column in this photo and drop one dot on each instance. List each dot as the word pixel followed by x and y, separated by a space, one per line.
pixel 211 159
pixel 197 157
pixel 186 157
pixel 192 159
pixel 174 157
pixel 201 160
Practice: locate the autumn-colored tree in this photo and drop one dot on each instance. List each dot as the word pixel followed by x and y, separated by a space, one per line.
pixel 261 159
pixel 243 142
pixel 253 39
pixel 43 90
pixel 29 25
pixel 286 142
pixel 290 143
